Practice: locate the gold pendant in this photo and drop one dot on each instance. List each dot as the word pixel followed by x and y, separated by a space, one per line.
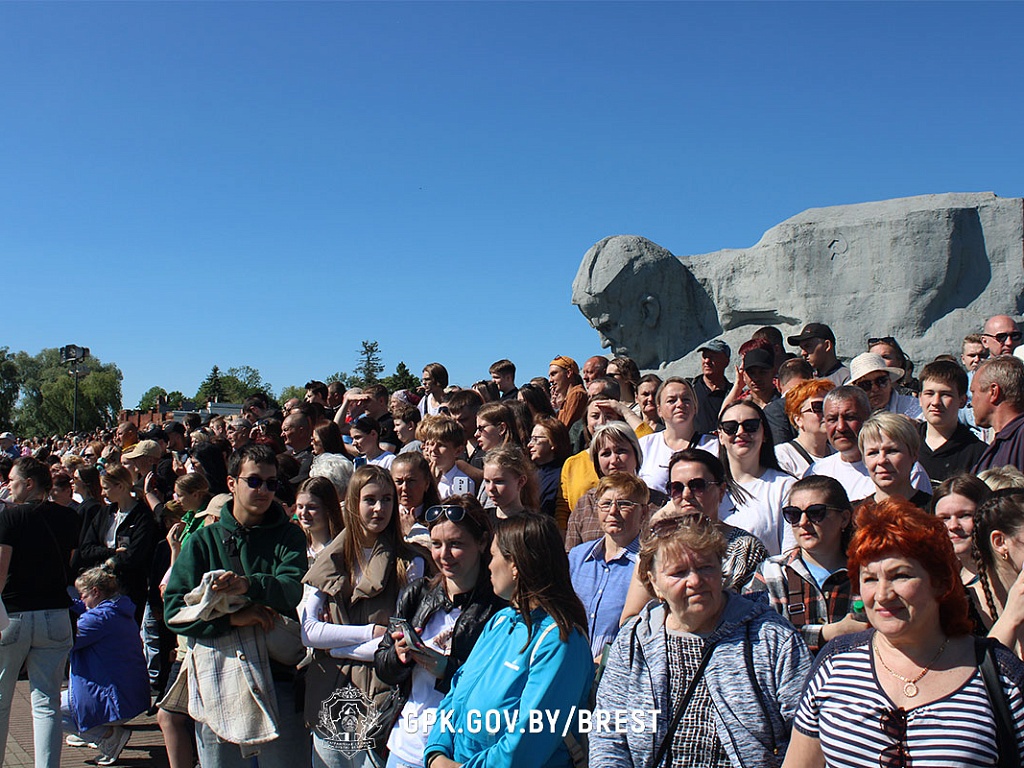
pixel 910 690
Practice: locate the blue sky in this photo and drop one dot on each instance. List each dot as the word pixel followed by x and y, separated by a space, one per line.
pixel 190 184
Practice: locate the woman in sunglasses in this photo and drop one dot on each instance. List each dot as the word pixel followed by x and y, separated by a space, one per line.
pixel 533 659
pixel 810 585
pixel 357 578
pixel 758 487
pixel 448 612
pixel 909 692
pixel 805 409
pixel 696 487
pixel 724 672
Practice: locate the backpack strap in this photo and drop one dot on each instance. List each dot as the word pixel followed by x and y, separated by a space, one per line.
pixel 796 594
pixel 1006 738
pixel 681 707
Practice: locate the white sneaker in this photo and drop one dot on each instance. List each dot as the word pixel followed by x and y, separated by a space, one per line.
pixel 111 746
pixel 74 740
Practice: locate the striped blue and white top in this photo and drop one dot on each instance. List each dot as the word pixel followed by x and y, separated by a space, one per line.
pixel 844 706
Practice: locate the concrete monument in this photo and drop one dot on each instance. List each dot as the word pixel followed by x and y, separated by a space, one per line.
pixel 927 270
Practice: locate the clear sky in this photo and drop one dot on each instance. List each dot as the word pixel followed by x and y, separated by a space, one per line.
pixel 190 184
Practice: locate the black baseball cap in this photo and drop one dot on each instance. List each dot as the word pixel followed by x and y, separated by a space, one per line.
pixel 812 331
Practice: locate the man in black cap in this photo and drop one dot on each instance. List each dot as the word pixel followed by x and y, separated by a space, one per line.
pixel 818 346
pixel 711 386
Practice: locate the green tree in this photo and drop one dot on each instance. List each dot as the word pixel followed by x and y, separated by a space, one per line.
pixel 212 388
pixel 151 398
pixel 48 394
pixel 370 367
pixel 249 380
pixel 10 386
pixel 289 392
pixel 175 399
pixel 402 378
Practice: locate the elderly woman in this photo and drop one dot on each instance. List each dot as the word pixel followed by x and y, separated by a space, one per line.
pixel 805 409
pixel 909 691
pixel 810 585
pixel 889 443
pixel 725 672
pixel 568 397
pixel 614 448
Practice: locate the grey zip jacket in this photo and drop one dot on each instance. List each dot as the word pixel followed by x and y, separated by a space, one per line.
pixel 753 722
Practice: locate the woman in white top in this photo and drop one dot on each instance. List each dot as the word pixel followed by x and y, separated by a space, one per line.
pixel 805 409
pixel 677 408
pixel 319 514
pixel 365 434
pixel 760 487
pixel 435 379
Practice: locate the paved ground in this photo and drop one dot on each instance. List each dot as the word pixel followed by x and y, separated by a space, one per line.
pixel 145 749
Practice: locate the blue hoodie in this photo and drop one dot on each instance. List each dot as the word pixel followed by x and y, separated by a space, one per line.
pixel 513 670
pixel 109 681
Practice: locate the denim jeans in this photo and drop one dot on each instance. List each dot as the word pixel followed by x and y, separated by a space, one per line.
pixel 290 748
pixel 325 756
pixel 43 640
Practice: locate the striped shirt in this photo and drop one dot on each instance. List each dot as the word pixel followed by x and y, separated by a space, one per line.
pixel 844 707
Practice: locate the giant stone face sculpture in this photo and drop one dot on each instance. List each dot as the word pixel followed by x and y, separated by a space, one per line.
pixel 927 270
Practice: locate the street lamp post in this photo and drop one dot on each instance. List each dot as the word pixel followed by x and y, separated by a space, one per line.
pixel 72 353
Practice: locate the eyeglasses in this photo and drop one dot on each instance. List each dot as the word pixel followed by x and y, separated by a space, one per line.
pixel 894 725
pixel 818 407
pixel 624 505
pixel 255 481
pixel 453 512
pixel 675 489
pixel 750 426
pixel 1002 337
pixel 815 513
pixel 538 439
pixel 879 382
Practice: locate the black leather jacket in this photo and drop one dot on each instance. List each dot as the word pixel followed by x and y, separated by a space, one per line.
pixel 417 603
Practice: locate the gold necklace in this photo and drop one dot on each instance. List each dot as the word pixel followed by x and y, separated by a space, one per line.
pixel 910 683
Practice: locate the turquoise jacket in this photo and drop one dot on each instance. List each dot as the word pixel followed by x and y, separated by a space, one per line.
pixel 511 673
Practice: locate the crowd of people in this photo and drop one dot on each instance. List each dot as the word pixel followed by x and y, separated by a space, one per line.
pixel 817 563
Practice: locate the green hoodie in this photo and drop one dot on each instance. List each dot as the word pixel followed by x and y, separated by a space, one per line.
pixel 273 557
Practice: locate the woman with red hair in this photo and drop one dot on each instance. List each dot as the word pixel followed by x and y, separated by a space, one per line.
pixel 909 691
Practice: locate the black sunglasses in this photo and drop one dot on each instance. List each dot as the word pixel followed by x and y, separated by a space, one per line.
pixel 696 485
pixel 453 512
pixel 255 481
pixel 879 382
pixel 894 725
pixel 815 513
pixel 731 428
pixel 818 407
pixel 1002 337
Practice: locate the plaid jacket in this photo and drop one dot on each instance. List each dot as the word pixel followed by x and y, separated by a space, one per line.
pixel 793 592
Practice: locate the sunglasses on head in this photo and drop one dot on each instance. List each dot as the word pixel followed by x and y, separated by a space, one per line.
pixel 883 340
pixel 696 485
pixel 255 481
pixel 879 382
pixel 731 428
pixel 453 512
pixel 815 513
pixel 1002 337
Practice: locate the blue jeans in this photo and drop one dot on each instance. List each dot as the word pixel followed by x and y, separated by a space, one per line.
pixel 325 756
pixel 42 639
pixel 291 747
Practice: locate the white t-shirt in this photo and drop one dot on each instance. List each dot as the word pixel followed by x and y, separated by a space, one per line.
pixel 905 404
pixel 761 513
pixel 454 482
pixel 791 460
pixel 855 479
pixel 656 453
pixel 385 460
